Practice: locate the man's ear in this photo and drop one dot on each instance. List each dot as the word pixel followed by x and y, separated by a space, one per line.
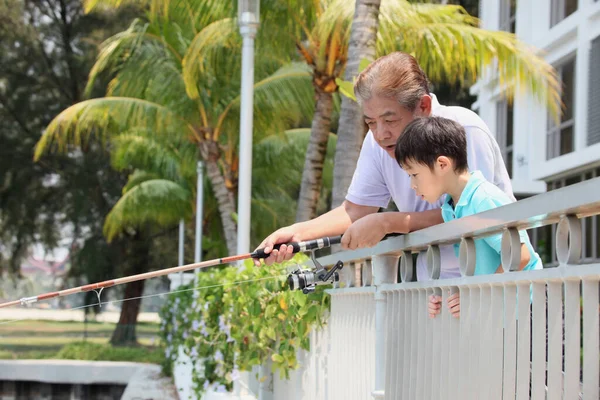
pixel 424 107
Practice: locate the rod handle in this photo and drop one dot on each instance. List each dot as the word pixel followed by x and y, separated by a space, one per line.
pixel 301 246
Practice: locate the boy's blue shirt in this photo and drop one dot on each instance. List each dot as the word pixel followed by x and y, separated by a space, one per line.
pixel 480 195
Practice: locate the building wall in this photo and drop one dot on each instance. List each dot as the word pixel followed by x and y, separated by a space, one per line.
pixel 570 37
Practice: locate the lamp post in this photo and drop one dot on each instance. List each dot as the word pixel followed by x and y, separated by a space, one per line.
pixel 248 19
pixel 199 211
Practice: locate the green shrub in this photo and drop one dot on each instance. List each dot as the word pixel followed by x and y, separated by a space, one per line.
pixel 238 318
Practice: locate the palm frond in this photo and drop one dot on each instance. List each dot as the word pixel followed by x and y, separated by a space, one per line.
pixel 160 202
pixel 143 150
pixel 105 117
pixel 449 46
pixel 275 199
pixel 207 44
pixel 286 153
pixel 280 101
pixel 331 34
pixel 116 50
pixel 136 178
pixel 93 5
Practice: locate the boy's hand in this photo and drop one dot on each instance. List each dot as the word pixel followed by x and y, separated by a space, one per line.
pixel 454 305
pixel 435 305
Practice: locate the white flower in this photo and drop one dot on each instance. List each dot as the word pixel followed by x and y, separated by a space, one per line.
pixel 235 375
pixel 218 356
pixel 221 389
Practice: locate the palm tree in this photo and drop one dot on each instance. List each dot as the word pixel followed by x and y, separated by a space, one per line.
pixel 323 45
pixel 449 46
pixel 274 202
pixel 178 74
pixel 160 190
pixel 365 25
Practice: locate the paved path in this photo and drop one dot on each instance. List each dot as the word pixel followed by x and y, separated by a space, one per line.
pixel 67 315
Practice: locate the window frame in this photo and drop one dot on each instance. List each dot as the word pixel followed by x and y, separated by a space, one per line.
pixel 554 132
pixel 507 21
pixel 506 149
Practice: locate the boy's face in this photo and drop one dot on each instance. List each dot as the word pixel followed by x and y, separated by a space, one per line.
pixel 387 119
pixel 427 183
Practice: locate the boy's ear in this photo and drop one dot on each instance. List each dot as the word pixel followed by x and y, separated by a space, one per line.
pixel 444 163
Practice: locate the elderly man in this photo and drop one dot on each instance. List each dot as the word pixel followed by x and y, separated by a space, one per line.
pixel 393 91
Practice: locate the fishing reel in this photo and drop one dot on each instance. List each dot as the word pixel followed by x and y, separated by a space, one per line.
pixel 308 279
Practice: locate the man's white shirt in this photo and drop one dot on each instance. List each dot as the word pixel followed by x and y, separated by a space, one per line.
pixel 378 178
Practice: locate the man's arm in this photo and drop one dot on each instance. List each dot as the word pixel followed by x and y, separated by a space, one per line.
pixel 332 223
pixel 362 226
pixel 369 230
pixel 405 222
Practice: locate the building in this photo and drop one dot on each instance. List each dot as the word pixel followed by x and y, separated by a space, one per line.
pixel 541 155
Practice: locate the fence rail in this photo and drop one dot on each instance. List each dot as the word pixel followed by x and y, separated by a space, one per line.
pixel 521 335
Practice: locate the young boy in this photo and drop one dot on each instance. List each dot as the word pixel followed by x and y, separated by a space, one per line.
pixel 433 151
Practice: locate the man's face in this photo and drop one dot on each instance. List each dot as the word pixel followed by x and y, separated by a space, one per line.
pixel 428 184
pixel 387 119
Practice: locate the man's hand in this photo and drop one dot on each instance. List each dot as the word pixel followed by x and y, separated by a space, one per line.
pixel 365 232
pixel 454 304
pixel 435 305
pixel 283 235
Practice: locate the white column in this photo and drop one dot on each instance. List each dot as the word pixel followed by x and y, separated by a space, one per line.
pixel 199 212
pixel 385 270
pixel 245 169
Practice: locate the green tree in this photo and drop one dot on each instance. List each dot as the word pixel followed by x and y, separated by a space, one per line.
pixel 161 187
pixel 323 45
pixel 177 73
pixel 451 48
pixel 47 51
pixel 362 46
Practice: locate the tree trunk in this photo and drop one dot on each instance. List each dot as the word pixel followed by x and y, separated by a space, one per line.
pixel 312 175
pixel 138 258
pixel 363 39
pixel 226 204
pixel 124 334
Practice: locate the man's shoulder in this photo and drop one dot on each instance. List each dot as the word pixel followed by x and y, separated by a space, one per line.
pixel 469 119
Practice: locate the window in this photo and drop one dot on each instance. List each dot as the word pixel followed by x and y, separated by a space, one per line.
pixel 560 139
pixel 508 11
pixel 593 135
pixel 504 132
pixel 561 9
pixel 544 238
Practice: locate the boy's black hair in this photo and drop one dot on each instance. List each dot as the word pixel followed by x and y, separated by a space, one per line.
pixel 427 138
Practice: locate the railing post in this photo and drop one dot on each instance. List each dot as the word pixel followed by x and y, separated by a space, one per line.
pixel 385 270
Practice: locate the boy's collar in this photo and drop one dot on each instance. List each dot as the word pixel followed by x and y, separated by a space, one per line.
pixel 474 182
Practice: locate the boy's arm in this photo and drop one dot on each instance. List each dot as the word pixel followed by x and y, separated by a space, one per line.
pixel 525 258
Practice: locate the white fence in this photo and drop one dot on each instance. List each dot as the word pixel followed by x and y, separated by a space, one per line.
pixel 380 342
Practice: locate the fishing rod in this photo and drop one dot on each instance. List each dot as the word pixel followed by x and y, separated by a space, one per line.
pixel 307 280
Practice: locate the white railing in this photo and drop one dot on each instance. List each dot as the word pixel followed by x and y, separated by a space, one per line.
pixel 380 343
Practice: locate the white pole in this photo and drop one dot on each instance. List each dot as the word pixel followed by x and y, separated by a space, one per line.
pixel 181 240
pixel 199 211
pixel 248 19
pixel 245 169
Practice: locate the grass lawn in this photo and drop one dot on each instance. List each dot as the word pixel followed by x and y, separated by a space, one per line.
pixel 58 339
